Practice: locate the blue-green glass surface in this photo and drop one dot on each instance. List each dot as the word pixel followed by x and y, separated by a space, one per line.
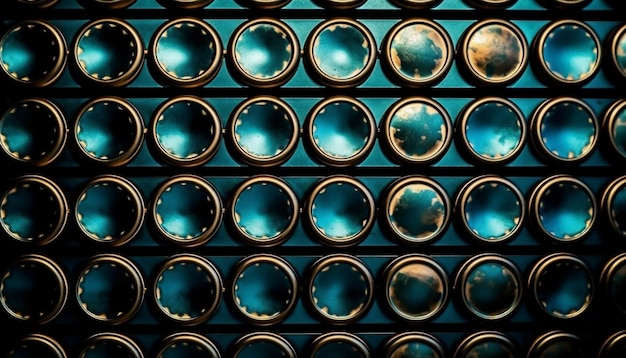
pixel 29 52
pixel 338 349
pixel 566 211
pixel 568 131
pixel 263 130
pixel 570 53
pixel 30 212
pixel 185 50
pixel 263 51
pixel 106 211
pixel 415 349
pixel 187 349
pixel 107 290
pixel 495 52
pixel 493 211
pixel 418 52
pixel 106 51
pixel 263 291
pixel 340 290
pixel 30 291
pixel 261 349
pixel 619 129
pixel 493 131
pixel 620 52
pixel 416 290
pixel 263 210
pixel 32 349
pixel 418 131
pixel 185 130
pixel 341 51
pixel 563 348
pixel 106 130
pixel 29 131
pixel 617 210
pixel 185 290
pixel 107 349
pixel 491 289
pixel 617 287
pixel 185 210
pixel 564 289
pixel 490 348
pixel 341 130
pixel 417 212
pixel 340 211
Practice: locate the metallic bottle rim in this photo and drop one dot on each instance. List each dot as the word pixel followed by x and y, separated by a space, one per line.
pixel 279 264
pixel 461 284
pixel 131 271
pixel 121 341
pixel 491 4
pixel 475 339
pixel 212 274
pixel 547 339
pixel 539 142
pixel 366 198
pixel 185 4
pixel 281 76
pixel 415 4
pixel 393 144
pixel 123 77
pixel 328 158
pixel 536 205
pixel 393 268
pixel 195 159
pixel 617 35
pixel 136 122
pixel 391 59
pixel 61 282
pixel 188 338
pixel 55 348
pixel 465 117
pixel 58 58
pixel 607 275
pixel 344 338
pixel 391 198
pixel 210 193
pixel 398 341
pixel 611 122
pixel 106 4
pixel 293 204
pixel 57 196
pixel 323 264
pixel 616 341
pixel 279 341
pixel 56 146
pixel 556 260
pixel 312 61
pixel 340 4
pixel 464 48
pixel 133 195
pixel 609 195
pixel 241 153
pixel 204 75
pixel 464 196
pixel 543 68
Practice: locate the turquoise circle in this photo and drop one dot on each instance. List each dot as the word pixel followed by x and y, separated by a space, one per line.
pixel 564 288
pixel 341 51
pixel 263 130
pixel 417 212
pixel 106 130
pixel 263 51
pixel 186 291
pixel 186 50
pixel 415 349
pixel 566 211
pixel 186 211
pixel 30 132
pixel 493 211
pixel 491 289
pixel 31 212
pixel 107 290
pixel 419 52
pixel 416 290
pixel 107 212
pixel 106 51
pixel 341 130
pixel 340 211
pixel 340 290
pixel 568 131
pixel 262 349
pixel 570 53
pixel 494 131
pixel 30 52
pixel 263 291
pixel 263 211
pixel 495 52
pixel 418 131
